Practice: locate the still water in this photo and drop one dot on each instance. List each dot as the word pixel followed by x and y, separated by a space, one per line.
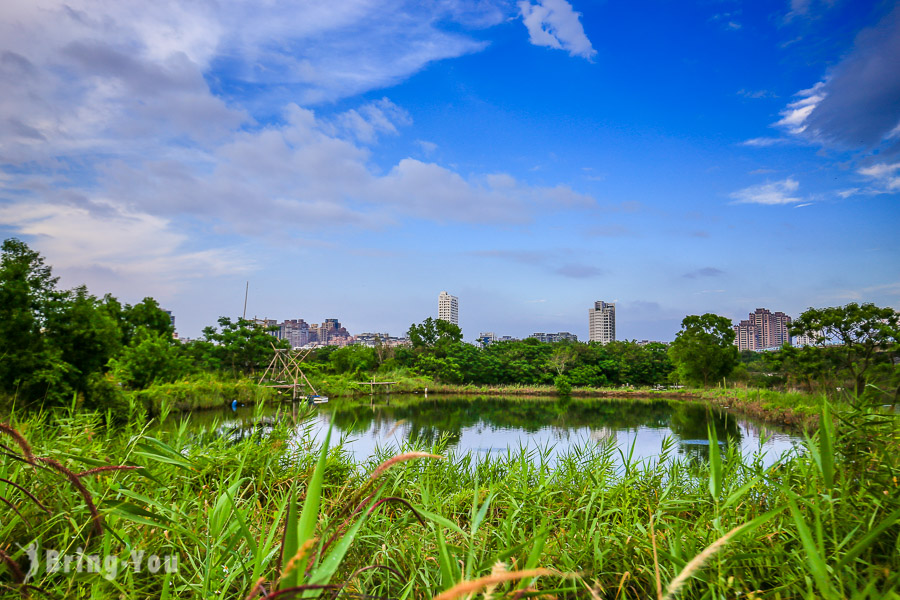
pixel 494 425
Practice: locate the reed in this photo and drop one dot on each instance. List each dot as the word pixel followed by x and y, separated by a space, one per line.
pixel 282 515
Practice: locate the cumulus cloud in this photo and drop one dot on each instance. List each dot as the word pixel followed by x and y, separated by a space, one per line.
pixel 154 121
pixel 83 75
pixel 303 174
pixel 554 23
pixel 778 192
pixel 135 249
pixel 857 105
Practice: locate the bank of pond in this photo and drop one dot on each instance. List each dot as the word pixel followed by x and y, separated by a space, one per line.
pixel 448 496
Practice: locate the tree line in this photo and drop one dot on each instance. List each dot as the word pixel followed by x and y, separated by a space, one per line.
pixel 56 344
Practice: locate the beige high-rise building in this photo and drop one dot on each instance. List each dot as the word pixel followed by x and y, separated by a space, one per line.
pixel 763 329
pixel 448 308
pixel 602 322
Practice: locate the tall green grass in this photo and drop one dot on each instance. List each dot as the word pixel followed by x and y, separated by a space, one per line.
pixel 200 392
pixel 251 517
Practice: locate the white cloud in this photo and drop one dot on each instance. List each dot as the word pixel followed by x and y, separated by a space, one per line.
pixel 134 249
pixel 426 146
pixel 856 103
pixel 778 192
pixel 555 24
pixel 793 118
pixel 368 121
pixel 763 142
pixel 79 76
pixel 297 176
pixel 884 174
pixel 128 136
pixel 880 170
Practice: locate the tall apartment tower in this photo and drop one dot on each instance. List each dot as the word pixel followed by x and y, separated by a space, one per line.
pixel 602 322
pixel 763 329
pixel 448 308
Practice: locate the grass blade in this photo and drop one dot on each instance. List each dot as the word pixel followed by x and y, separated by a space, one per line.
pixel 297 532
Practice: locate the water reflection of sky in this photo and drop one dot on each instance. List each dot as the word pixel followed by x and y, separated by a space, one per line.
pixel 483 438
pixel 497 426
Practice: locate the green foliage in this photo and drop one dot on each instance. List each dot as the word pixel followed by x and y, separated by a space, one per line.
pixel 150 357
pixel 85 335
pixel 29 367
pixel 858 336
pixel 433 333
pixel 563 387
pixel 731 527
pixel 239 347
pixel 198 392
pixel 55 343
pixel 704 349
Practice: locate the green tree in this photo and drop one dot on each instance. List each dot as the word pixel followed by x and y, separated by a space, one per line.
pixel 704 348
pixel 563 354
pixel 863 334
pixel 239 346
pixel 146 314
pixel 29 368
pixel 83 333
pixel 434 333
pixel 151 357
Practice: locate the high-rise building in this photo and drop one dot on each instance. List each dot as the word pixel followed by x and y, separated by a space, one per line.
pixel 448 308
pixel 763 329
pixel 294 330
pixel 602 322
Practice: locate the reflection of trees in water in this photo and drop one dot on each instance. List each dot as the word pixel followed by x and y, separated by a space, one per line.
pixel 428 419
pixel 694 434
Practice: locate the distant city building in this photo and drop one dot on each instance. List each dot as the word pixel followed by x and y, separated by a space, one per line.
pixel 172 321
pixel 602 322
pixel 370 339
pixel 330 333
pixel 265 324
pixel 448 308
pixel 486 338
pixel 762 330
pixel 807 340
pixel 551 338
pixel 299 333
pixel 296 331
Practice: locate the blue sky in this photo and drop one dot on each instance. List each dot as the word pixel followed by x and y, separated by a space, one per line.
pixel 353 159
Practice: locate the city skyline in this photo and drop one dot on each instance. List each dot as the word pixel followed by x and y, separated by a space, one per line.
pixel 352 159
pixel 762 331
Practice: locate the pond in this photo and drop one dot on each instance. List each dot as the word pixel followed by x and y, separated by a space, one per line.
pixel 496 424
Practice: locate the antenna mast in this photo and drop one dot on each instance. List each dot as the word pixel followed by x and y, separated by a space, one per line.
pixel 246 293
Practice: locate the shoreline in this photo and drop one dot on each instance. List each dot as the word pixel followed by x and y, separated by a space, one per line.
pixel 795 411
pixel 798 412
